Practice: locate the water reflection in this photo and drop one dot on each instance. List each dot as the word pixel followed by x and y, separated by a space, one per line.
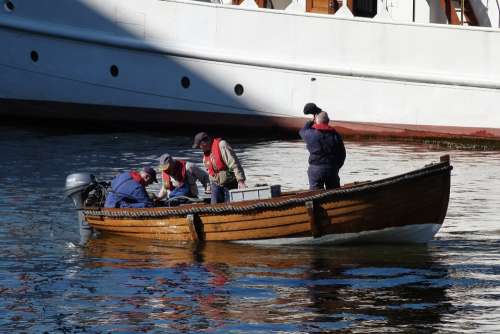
pixel 48 284
pixel 309 288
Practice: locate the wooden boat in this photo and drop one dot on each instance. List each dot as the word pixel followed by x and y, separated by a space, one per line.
pixel 406 208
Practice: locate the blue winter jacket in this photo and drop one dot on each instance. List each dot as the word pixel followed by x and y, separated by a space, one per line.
pixel 326 147
pixel 184 190
pixel 127 193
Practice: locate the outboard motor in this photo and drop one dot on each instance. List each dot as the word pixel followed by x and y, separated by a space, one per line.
pixel 77 187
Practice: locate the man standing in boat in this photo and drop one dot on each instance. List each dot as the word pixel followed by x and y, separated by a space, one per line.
pixel 179 178
pixel 128 190
pixel 326 149
pixel 222 164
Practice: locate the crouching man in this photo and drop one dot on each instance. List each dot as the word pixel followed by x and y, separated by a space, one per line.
pixel 179 178
pixel 128 190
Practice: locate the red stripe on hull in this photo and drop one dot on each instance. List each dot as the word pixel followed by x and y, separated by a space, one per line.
pixel 159 118
pixel 416 131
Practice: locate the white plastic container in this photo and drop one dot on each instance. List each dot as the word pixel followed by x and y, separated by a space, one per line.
pixel 263 192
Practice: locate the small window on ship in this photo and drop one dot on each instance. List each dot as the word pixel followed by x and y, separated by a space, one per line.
pixel 364 8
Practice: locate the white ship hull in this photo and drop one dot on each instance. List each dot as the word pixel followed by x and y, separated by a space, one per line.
pixel 126 60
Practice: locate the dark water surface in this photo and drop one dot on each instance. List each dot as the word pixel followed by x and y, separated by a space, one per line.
pixel 49 284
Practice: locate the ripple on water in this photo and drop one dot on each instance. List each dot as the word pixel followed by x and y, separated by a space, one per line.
pixel 48 284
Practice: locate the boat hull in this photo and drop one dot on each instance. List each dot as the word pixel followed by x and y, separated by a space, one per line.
pixel 111 61
pixel 106 116
pixel 409 207
pixel 419 233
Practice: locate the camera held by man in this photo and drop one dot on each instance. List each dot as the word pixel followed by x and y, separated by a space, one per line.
pixel 311 109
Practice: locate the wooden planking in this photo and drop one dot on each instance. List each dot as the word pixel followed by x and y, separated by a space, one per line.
pixel 264 233
pixel 157 236
pixel 255 224
pixel 350 219
pixel 152 222
pixel 143 229
pixel 214 219
pixel 282 213
pixel 383 203
pixel 339 209
pixel 387 213
pixel 387 208
pixel 344 203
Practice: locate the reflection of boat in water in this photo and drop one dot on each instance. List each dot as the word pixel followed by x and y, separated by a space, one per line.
pixel 273 285
pixel 121 251
pixel 407 208
pixel 391 69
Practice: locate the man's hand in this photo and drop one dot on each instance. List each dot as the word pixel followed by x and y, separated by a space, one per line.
pixel 154 199
pixel 241 185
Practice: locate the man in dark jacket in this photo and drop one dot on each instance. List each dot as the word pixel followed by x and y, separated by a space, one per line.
pixel 326 149
pixel 128 190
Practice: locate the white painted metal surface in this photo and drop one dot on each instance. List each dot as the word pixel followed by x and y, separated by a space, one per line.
pixel 361 70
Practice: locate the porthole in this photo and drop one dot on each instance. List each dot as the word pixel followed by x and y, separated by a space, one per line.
pixel 185 82
pixel 114 70
pixel 34 56
pixel 9 6
pixel 313 79
pixel 238 90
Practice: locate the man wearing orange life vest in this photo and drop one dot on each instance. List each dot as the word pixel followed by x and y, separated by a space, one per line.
pixel 223 166
pixel 179 178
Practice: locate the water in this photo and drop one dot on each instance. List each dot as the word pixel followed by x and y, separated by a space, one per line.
pixel 49 284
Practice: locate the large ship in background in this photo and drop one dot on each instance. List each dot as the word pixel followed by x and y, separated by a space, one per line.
pixel 410 68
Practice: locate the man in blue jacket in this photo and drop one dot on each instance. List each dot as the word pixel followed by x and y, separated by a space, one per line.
pixel 128 190
pixel 326 149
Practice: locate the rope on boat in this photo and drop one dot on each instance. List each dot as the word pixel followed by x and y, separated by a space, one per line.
pixel 236 208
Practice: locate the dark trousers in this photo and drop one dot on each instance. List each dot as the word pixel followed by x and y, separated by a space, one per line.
pixel 220 194
pixel 323 177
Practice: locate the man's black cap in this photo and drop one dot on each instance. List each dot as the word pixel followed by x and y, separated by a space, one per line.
pixel 151 173
pixel 198 138
pixel 311 109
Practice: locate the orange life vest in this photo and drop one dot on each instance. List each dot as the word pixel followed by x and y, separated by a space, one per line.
pixel 213 160
pixel 136 176
pixel 178 173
